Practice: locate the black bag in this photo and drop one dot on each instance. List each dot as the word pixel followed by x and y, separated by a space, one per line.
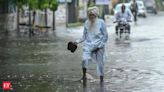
pixel 72 47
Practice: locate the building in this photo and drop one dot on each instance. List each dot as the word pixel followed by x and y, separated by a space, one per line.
pixel 7 17
pixel 7 6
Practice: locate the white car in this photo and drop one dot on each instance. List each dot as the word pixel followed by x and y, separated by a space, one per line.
pixel 141 8
pixel 151 6
pixel 118 7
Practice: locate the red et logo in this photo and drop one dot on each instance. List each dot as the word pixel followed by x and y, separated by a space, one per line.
pixel 6 85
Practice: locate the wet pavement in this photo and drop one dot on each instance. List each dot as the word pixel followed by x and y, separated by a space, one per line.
pixel 43 64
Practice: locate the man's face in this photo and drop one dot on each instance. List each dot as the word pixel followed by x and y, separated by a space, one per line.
pixel 123 8
pixel 91 16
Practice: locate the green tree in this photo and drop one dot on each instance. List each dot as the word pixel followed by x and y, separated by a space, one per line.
pixel 53 6
pixel 91 3
pixel 159 4
pixel 33 6
pixel 44 5
pixel 123 1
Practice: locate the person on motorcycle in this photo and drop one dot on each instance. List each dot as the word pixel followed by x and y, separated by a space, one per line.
pixel 123 16
pixel 134 9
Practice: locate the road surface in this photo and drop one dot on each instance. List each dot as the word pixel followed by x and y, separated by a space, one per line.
pixel 45 65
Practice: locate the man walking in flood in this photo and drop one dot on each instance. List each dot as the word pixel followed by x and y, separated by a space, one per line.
pixel 94 38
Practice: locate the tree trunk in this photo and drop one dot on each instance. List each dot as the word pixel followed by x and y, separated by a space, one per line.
pixel 33 21
pixel 46 19
pixel 31 33
pixel 54 20
pixel 18 17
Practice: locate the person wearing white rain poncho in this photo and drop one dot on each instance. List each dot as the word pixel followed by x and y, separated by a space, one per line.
pixel 94 38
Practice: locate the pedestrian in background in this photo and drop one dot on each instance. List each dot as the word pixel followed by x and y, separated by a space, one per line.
pixel 134 10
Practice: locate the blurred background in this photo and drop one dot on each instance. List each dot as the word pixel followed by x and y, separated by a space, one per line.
pixel 48 13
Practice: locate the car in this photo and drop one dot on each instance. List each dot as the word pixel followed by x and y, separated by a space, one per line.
pixel 118 7
pixel 151 6
pixel 141 8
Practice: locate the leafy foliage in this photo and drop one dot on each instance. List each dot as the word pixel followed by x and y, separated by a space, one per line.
pixel 20 3
pixel 33 4
pixel 53 5
pixel 38 4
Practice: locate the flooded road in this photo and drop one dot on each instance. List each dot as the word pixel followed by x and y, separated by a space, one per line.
pixel 45 65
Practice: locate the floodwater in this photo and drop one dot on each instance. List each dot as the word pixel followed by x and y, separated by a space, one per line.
pixel 43 64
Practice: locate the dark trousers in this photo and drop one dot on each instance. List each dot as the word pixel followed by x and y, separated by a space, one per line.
pixel 135 15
